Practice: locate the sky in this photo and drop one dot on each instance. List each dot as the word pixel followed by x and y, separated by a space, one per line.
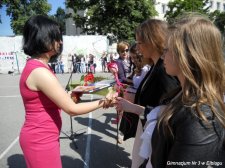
pixel 5 28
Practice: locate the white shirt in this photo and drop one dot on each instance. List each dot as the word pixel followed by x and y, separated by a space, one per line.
pixel 137 79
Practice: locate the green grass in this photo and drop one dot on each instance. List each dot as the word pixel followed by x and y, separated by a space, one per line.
pixel 102 92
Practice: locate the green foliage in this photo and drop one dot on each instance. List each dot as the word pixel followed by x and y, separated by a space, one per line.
pixel 20 10
pixel 60 18
pixel 177 8
pixel 220 22
pixel 0 9
pixel 82 80
pixel 118 17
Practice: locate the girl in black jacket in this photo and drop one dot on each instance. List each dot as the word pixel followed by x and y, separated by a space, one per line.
pixel 191 130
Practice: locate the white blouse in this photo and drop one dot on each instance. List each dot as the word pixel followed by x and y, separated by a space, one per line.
pixel 137 79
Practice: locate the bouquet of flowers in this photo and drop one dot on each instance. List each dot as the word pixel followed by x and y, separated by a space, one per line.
pixel 85 80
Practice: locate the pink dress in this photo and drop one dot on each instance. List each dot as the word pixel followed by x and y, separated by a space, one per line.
pixel 39 136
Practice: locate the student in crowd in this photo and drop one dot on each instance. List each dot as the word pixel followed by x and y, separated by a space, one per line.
pixel 123 62
pixel 74 58
pixel 43 96
pixel 192 127
pixel 103 61
pixel 61 65
pixel 150 40
pixel 90 62
pixel 78 62
pixel 141 68
pixel 142 65
pixel 82 64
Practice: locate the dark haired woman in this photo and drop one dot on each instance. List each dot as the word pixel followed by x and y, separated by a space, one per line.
pixel 43 96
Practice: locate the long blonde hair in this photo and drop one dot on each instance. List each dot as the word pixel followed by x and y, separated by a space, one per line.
pixel 196 45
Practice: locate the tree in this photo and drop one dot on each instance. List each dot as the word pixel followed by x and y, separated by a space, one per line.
pixel 179 7
pixel 0 9
pixel 60 18
pixel 20 10
pixel 220 22
pixel 117 17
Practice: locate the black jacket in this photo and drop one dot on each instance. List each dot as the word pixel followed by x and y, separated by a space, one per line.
pixel 153 87
pixel 195 142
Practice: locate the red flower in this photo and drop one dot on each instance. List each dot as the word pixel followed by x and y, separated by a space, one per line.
pixel 89 78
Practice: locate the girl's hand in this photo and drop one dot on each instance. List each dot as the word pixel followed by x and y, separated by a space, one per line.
pixel 123 105
pixel 110 98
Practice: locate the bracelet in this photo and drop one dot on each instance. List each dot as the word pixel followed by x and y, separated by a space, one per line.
pixel 101 101
pixel 144 114
pixel 106 102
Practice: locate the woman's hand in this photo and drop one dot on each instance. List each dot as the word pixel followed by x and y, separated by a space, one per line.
pixel 110 99
pixel 123 105
pixel 129 96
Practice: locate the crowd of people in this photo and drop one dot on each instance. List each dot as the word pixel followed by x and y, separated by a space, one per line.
pixel 57 66
pixel 173 102
pixel 88 63
pixel 81 64
pixel 107 58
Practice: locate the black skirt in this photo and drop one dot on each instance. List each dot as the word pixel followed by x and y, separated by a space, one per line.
pixel 128 125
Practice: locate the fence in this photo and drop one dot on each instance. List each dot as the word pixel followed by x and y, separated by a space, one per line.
pixel 13 59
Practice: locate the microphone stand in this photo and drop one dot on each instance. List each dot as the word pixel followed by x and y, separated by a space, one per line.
pixel 73 134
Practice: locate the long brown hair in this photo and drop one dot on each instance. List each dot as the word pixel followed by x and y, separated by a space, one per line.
pixel 196 45
pixel 153 32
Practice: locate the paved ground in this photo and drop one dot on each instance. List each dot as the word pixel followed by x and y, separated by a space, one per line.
pixel 96 147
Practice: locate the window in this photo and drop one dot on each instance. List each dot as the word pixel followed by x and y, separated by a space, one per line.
pixel 211 4
pixel 163 8
pixel 218 5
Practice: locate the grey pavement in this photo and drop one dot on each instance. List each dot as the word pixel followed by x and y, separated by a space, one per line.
pixel 96 147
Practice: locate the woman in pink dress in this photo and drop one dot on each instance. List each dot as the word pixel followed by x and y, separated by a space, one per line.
pixel 43 96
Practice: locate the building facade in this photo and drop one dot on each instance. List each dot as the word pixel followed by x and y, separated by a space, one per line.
pixel 71 28
pixel 217 5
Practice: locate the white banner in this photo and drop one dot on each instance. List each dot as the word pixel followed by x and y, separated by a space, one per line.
pixel 12 57
pixel 6 61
